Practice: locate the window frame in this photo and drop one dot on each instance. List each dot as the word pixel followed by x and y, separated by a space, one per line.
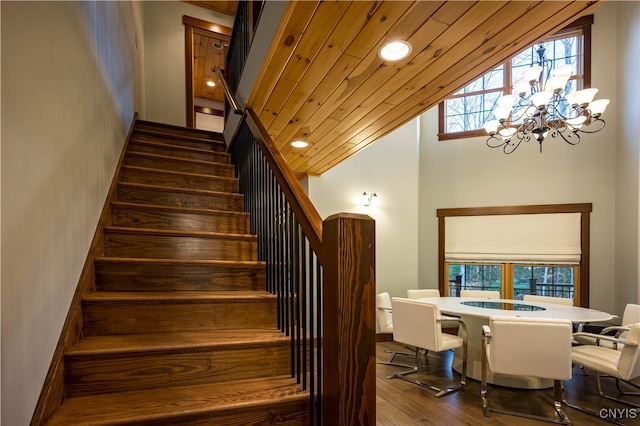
pixel 582 25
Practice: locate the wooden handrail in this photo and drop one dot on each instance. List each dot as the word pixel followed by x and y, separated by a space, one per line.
pixel 227 91
pixel 303 208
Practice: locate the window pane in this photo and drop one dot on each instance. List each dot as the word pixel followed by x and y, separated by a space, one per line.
pixel 474 277
pixel 557 52
pixel 543 280
pixel 469 112
pixel 494 79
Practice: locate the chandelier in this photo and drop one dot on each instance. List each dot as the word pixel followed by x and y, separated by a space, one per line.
pixel 540 108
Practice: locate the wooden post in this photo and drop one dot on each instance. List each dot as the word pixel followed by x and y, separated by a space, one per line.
pixel 349 322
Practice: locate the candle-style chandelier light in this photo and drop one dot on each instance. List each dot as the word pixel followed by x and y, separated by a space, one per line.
pixel 539 108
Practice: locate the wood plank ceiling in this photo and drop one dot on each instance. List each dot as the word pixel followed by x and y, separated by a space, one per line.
pixel 322 80
pixel 209 51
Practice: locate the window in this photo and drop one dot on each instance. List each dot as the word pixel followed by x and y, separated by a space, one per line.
pixel 463 113
pixel 513 281
pixel 517 250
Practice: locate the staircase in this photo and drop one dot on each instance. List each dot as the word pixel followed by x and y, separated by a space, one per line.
pixel 179 329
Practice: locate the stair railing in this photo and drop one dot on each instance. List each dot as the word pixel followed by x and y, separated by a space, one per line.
pixel 323 274
pixel 246 19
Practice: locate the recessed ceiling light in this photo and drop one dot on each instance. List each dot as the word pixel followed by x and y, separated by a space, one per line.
pixel 299 144
pixel 210 83
pixel 395 50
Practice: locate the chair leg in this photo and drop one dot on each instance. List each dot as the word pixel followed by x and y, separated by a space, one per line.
pixel 392 357
pixel 414 368
pixel 439 391
pixel 592 413
pixel 612 398
pixel 622 392
pixel 557 397
pixel 558 402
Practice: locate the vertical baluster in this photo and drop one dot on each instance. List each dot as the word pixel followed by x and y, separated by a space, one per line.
pixel 317 336
pixel 293 271
pixel 300 299
pixel 309 324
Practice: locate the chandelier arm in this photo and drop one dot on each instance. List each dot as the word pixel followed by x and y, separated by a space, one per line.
pixel 497 144
pixel 568 139
pixel 601 125
pixel 509 146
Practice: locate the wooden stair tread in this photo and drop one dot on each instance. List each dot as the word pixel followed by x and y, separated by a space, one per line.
pixel 182 190
pixel 169 232
pixel 162 129
pixel 168 144
pixel 179 296
pixel 195 295
pixel 165 403
pixel 175 172
pixel 181 159
pixel 198 210
pixel 139 343
pixel 198 262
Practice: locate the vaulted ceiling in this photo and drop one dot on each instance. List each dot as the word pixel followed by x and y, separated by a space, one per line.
pixel 323 82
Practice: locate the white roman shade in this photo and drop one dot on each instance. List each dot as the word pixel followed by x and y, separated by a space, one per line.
pixel 552 238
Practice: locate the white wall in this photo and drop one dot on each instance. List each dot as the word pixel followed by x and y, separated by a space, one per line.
pixel 389 168
pixel 466 173
pixel 165 90
pixel 627 187
pixel 71 84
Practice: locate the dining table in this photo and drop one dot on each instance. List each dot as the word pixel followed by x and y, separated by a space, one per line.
pixel 476 312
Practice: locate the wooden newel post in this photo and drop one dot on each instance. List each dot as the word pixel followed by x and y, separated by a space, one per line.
pixel 349 321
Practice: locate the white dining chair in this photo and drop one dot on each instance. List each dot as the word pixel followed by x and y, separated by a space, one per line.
pixel 547 299
pixel 631 315
pixel 481 294
pixel 422 293
pixel 621 364
pixel 383 307
pixel 417 323
pixel 527 347
pixel 385 321
pixel 449 325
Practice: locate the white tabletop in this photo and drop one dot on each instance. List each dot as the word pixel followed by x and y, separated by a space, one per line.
pixel 455 306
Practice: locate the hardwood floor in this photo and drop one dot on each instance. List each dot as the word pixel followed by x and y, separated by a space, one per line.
pixel 400 403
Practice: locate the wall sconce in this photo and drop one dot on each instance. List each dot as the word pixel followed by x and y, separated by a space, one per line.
pixel 367 199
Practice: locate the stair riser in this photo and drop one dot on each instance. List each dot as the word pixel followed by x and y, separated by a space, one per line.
pixel 140 317
pixel 176 180
pixel 179 132
pixel 178 165
pixel 163 197
pixel 151 277
pixel 282 414
pixel 176 151
pixel 154 246
pixel 103 374
pixel 138 217
pixel 215 146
